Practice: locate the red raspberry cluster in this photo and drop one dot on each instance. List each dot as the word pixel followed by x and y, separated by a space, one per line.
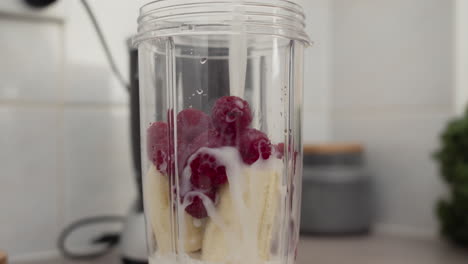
pixel 228 125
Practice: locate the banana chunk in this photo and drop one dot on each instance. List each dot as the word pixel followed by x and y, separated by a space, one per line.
pixel 159 212
pixel 241 229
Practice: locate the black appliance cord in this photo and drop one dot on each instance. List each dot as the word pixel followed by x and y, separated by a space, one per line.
pixel 104 45
pixel 108 239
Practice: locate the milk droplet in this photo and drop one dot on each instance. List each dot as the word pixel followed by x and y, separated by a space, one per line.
pixel 203 60
pixel 239 104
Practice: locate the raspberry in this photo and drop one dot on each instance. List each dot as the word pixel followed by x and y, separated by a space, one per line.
pixel 158 146
pixel 209 139
pixel 207 173
pixel 230 116
pixel 279 150
pixel 182 154
pixel 196 208
pixel 191 123
pixel 253 145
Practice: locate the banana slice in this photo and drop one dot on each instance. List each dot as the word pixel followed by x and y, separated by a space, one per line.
pixel 159 211
pixel 193 236
pixel 215 240
pixel 270 203
pixel 241 230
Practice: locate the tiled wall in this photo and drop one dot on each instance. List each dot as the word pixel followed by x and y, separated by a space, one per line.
pixel 31 133
pixel 64 132
pixel 393 91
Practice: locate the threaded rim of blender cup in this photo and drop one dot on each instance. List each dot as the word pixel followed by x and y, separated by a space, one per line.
pixel 164 18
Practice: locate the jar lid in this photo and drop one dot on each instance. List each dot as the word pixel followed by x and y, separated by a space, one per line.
pixel 346 154
pixel 164 18
pixel 333 148
pixel 334 174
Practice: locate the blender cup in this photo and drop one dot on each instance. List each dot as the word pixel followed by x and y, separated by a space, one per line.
pixel 221 114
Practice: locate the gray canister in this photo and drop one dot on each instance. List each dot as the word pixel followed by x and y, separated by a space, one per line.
pixel 336 197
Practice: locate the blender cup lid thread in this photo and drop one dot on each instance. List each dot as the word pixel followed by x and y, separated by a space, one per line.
pixel 164 18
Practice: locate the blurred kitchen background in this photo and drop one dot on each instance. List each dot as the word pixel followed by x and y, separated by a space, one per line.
pixel 387 74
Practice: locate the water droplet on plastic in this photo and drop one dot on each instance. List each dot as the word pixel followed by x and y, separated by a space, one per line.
pixel 193 94
pixel 203 60
pixel 199 91
pixel 205 95
pixel 186 27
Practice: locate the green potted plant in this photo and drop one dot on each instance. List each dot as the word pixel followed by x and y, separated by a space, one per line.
pixel 453 163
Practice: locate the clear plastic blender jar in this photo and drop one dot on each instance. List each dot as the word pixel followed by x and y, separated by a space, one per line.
pixel 221 114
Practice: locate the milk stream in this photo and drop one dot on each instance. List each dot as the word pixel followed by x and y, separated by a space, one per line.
pixel 237 52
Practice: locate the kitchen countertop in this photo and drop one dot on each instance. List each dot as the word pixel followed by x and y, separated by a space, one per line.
pixel 375 249
pixel 378 249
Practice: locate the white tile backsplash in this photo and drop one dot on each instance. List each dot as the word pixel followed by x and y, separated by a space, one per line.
pixel 31 60
pixel 63 123
pixel 99 178
pixel 399 149
pixel 85 56
pixel 55 11
pixel 28 182
pixel 92 83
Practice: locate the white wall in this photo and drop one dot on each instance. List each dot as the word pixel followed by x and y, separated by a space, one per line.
pixel 393 90
pixel 105 184
pixel 461 56
pixel 317 72
pixel 30 148
pixel 64 138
